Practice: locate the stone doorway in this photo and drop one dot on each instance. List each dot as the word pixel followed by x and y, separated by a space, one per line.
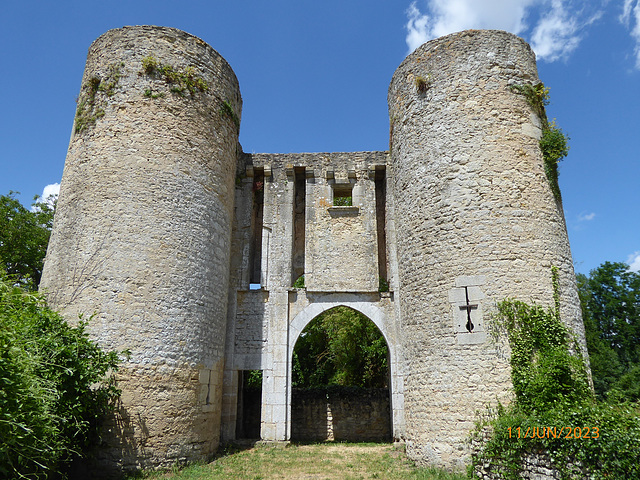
pixel 376 309
pixel 340 380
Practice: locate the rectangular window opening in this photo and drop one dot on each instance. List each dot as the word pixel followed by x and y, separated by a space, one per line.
pixel 381 221
pixel 342 195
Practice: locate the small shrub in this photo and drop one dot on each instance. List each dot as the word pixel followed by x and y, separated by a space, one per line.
pixel 422 84
pixel 150 64
pixel 554 144
pixel 228 111
pixel 299 283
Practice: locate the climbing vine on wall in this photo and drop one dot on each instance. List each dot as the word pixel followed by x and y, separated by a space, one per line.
pixel 554 142
pixel 546 365
pixel 93 96
pixel 181 81
pixel 554 410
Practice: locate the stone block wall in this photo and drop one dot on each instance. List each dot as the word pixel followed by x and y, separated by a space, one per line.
pixel 250 329
pixel 342 415
pixel 534 466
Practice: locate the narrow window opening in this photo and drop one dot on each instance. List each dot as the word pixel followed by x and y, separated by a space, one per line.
pixel 249 404
pixel 256 224
pixel 468 307
pixel 381 222
pixel 299 206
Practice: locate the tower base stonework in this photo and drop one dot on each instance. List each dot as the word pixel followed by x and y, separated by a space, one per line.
pixel 186 250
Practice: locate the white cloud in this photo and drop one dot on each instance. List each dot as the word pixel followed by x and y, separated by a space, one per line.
pixel 51 190
pixel 586 217
pixel 417 28
pixel 553 35
pixel 634 262
pixel 448 16
pixel 631 19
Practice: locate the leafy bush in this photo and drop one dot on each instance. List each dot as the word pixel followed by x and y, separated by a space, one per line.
pixel 554 144
pixel 54 386
pixel 554 410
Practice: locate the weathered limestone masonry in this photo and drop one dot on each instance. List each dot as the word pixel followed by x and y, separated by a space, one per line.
pixel 187 249
pixel 286 201
pixel 478 224
pixel 335 414
pixel 142 235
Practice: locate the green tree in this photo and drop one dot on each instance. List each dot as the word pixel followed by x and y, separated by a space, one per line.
pixel 610 299
pixel 24 236
pixel 341 347
pixel 54 386
pixel 603 360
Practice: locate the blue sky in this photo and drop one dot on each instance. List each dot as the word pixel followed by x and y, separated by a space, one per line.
pixel 314 77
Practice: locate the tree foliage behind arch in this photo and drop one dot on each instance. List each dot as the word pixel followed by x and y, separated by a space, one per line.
pixel 341 347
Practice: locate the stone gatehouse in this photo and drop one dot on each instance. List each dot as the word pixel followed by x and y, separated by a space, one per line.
pixel 187 248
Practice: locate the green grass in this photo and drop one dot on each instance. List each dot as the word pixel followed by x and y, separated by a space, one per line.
pixel 326 461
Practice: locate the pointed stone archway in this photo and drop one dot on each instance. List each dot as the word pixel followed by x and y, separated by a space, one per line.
pixel 387 328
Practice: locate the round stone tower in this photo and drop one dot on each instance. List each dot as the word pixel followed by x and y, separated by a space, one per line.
pixel 479 223
pixel 142 231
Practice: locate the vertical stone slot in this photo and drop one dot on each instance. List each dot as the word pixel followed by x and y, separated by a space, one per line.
pixel 381 207
pixel 299 204
pixel 257 222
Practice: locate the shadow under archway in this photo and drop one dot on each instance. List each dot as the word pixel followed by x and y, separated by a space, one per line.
pixel 341 380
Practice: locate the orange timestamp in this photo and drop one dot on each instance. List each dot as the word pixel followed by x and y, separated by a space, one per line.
pixel 548 432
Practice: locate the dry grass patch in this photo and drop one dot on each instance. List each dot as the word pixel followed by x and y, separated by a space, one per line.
pixel 310 462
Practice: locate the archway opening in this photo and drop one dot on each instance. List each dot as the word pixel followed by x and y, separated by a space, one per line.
pixel 340 380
